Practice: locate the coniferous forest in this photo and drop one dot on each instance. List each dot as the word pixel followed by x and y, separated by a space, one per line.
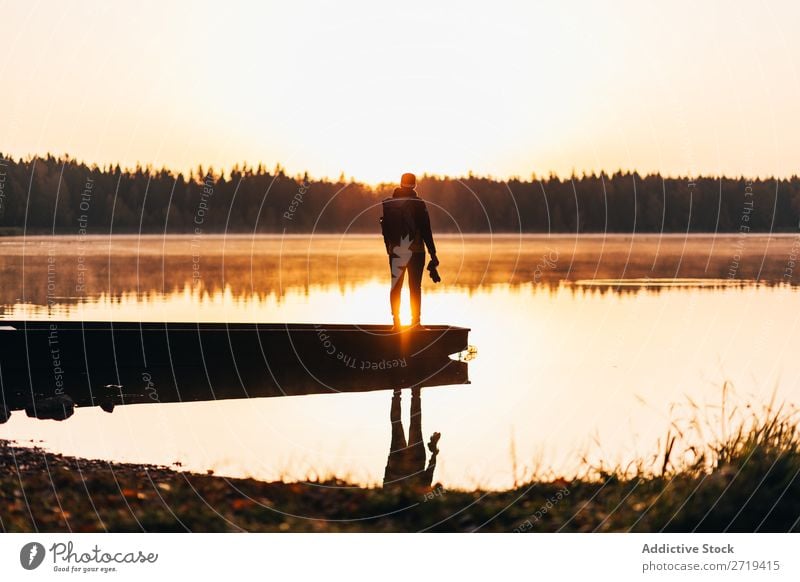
pixel 50 194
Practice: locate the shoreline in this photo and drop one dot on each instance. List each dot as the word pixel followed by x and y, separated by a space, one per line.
pixel 753 488
pixel 44 235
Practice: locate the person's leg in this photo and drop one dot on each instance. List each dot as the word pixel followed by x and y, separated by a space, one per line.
pixel 395 469
pixel 416 266
pixel 398 435
pixel 397 272
pixel 417 448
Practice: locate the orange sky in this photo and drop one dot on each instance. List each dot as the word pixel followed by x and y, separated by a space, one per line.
pixel 373 89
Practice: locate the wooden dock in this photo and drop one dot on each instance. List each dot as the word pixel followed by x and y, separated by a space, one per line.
pixel 48 366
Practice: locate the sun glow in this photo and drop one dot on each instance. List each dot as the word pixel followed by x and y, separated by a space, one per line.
pixel 443 88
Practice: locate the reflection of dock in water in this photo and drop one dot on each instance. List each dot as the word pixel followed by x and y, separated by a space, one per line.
pixel 47 367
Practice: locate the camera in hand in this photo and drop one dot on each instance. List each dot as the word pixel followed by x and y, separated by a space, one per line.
pixel 433 271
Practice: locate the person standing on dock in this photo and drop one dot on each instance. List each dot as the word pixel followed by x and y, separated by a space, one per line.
pixel 406 229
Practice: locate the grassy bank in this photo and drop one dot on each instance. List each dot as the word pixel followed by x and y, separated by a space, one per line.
pixel 747 481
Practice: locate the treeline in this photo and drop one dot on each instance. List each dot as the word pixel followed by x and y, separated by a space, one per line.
pixel 64 196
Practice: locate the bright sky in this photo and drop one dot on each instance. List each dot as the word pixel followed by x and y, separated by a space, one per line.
pixel 373 89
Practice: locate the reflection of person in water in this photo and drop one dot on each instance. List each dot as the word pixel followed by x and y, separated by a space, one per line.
pixel 406 229
pixel 406 463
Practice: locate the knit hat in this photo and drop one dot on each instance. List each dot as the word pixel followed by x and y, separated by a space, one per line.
pixel 408 181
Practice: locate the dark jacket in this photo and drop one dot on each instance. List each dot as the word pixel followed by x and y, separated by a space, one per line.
pixel 406 215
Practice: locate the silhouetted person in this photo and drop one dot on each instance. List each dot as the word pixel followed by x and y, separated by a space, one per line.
pixel 406 463
pixel 406 229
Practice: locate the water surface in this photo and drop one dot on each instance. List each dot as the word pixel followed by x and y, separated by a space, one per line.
pixel 588 347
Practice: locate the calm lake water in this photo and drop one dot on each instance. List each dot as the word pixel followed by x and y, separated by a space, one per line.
pixel 589 347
